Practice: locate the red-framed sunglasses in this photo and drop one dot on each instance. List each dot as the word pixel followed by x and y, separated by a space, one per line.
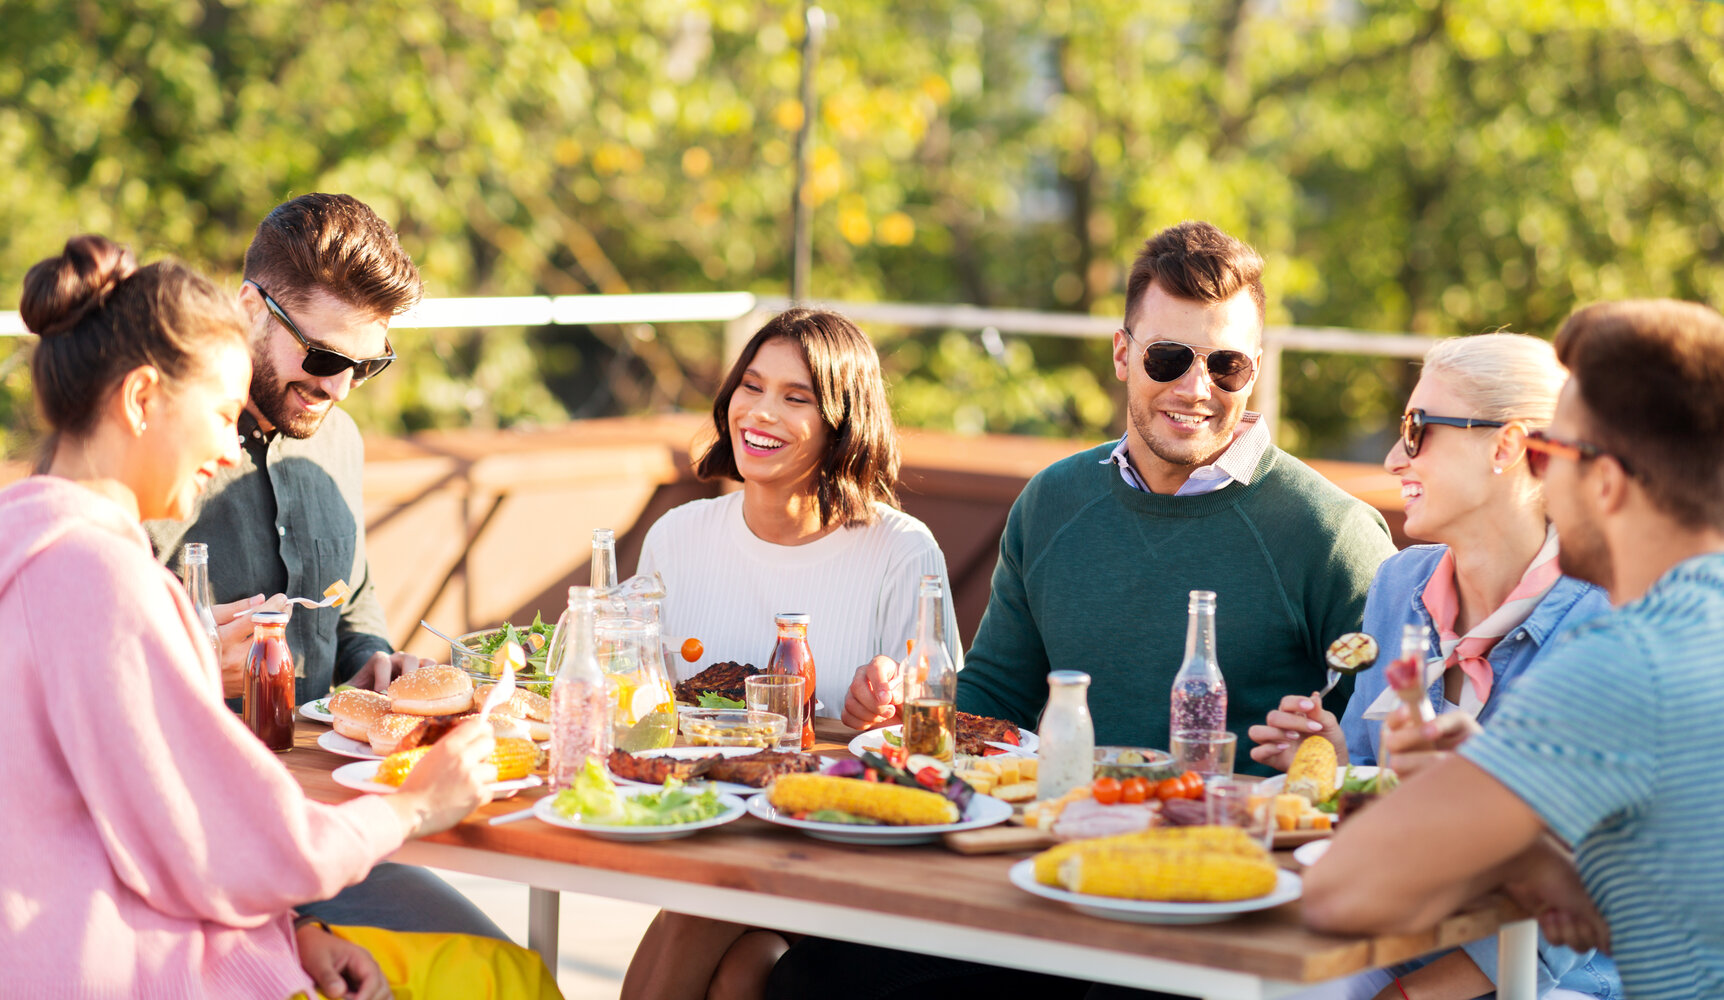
pixel 1541 446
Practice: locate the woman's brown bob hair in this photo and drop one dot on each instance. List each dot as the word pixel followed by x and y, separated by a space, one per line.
pixel 861 461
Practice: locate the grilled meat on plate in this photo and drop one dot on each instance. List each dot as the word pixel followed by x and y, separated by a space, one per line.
pixel 975 732
pixel 757 770
pixel 723 679
pixel 654 770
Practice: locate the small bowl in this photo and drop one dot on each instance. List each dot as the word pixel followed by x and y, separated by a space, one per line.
pixel 477 665
pixel 1132 762
pixel 731 727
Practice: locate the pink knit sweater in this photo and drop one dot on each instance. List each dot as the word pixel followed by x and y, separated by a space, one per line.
pixel 149 845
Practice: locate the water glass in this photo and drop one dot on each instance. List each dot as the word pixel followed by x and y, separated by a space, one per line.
pixel 1205 751
pixel 1230 801
pixel 781 694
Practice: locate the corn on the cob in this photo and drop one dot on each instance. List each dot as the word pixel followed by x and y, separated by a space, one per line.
pixel 393 770
pixel 514 758
pixel 897 805
pixel 1171 875
pixel 1208 839
pixel 1313 772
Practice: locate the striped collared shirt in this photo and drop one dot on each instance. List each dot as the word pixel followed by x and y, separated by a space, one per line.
pixel 1237 463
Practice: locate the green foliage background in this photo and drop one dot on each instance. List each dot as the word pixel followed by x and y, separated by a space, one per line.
pixel 1440 166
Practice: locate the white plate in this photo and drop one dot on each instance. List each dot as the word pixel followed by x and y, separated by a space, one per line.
pixel 336 743
pixel 360 776
pixel 1277 784
pixel 874 739
pixel 984 810
pixel 1140 911
pixel 690 753
pixel 317 711
pixel 733 810
pixel 1307 854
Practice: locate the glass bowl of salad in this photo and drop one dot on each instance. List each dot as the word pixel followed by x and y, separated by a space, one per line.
pixel 473 653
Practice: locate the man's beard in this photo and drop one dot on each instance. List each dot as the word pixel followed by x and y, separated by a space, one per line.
pixel 270 395
pixel 1187 453
pixel 1584 555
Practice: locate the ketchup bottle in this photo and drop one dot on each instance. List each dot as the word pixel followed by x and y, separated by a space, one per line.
pixel 792 656
pixel 268 709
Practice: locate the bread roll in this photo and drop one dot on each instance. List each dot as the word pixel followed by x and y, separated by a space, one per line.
pixel 386 734
pixel 435 690
pixel 355 710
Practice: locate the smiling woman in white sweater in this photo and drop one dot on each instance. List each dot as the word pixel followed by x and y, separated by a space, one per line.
pixel 802 422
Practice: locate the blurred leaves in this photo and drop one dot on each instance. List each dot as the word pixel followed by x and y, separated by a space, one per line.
pixel 1441 166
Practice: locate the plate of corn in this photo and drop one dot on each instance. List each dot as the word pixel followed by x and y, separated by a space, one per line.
pixel 1163 875
pixel 514 760
pixel 875 812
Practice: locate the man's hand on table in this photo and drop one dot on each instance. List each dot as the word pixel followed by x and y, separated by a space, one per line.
pixel 233 627
pixel 1546 884
pixel 385 667
pixel 873 696
pixel 449 782
pixel 339 967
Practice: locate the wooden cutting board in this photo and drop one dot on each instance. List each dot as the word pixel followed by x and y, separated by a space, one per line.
pixel 998 840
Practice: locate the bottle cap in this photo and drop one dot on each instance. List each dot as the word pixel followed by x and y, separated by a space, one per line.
pixel 270 617
pixel 1066 678
pixel 197 552
pixel 791 618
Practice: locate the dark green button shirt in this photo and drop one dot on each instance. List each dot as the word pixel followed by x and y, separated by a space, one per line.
pixel 290 518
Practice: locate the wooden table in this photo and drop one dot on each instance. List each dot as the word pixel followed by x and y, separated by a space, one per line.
pixel 923 899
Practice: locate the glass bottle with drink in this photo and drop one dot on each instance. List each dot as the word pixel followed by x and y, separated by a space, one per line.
pixel 1067 736
pixel 195 572
pixel 1409 670
pixel 792 656
pixel 930 679
pixel 580 699
pixel 1199 693
pixel 603 568
pixel 268 705
pixel 630 651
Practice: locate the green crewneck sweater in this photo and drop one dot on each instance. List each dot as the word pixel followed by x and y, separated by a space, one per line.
pixel 1095 576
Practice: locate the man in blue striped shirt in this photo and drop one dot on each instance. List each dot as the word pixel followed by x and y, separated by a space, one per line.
pixel 1610 746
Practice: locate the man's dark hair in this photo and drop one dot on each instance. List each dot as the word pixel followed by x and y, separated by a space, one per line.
pixel 861 461
pixel 1195 261
pixel 336 244
pixel 1651 375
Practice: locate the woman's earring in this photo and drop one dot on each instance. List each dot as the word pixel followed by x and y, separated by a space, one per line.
pixel 1496 470
pixel 143 426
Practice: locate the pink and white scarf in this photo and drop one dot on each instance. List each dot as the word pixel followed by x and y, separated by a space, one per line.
pixel 1442 601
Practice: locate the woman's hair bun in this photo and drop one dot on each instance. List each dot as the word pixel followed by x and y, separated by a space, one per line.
pixel 60 291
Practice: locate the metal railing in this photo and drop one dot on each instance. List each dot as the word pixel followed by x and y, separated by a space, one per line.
pixel 742 313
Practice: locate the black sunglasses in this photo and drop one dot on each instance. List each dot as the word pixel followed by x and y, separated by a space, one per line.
pixel 1415 421
pixel 1541 446
pixel 1168 361
pixel 321 362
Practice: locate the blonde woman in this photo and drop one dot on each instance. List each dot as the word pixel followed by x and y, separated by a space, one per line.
pixel 1489 590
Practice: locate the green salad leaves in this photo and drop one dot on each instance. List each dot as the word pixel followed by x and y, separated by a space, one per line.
pixel 594 798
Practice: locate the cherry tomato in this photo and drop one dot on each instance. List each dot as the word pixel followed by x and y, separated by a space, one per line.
pixel 1167 788
pixel 691 649
pixel 1105 790
pixel 1190 785
pixel 1134 790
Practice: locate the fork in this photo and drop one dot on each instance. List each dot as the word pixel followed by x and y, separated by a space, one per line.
pixel 1334 679
pixel 304 602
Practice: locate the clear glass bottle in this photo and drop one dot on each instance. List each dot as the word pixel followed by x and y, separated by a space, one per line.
pixel 930 679
pixel 268 706
pixel 629 650
pixel 195 572
pixel 603 569
pixel 792 656
pixel 1199 693
pixel 1067 736
pixel 580 698
pixel 1415 648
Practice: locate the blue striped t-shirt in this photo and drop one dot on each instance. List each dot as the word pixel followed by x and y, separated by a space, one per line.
pixel 1615 741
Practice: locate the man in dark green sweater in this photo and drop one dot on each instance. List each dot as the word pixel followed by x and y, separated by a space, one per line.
pixel 1102 549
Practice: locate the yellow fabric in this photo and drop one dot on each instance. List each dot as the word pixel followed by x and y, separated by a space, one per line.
pixel 454 966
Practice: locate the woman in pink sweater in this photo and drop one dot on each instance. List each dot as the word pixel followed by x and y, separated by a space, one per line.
pixel 152 846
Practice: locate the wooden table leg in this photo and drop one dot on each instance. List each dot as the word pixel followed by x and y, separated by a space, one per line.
pixel 543 916
pixel 1517 961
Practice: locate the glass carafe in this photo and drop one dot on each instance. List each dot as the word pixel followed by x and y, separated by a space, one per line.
pixel 627 644
pixel 1067 736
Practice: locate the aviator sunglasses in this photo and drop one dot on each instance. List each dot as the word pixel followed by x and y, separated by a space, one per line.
pixel 321 362
pixel 1541 446
pixel 1168 361
pixel 1414 423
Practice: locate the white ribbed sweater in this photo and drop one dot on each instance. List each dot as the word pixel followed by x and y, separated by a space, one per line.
pixel 723 586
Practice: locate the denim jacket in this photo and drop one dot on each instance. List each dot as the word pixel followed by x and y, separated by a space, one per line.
pixel 1396 599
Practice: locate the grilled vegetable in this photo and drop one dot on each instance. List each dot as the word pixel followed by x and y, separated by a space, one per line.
pixel 514 758
pixel 1313 772
pixel 393 770
pixel 1174 839
pixel 889 803
pixel 1145 871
